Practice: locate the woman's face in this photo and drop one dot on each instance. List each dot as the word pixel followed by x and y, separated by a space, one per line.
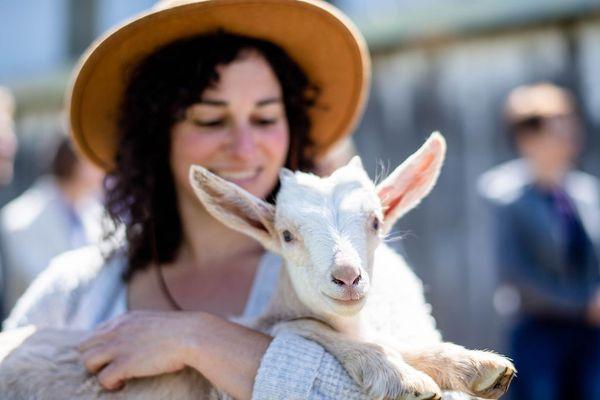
pixel 238 130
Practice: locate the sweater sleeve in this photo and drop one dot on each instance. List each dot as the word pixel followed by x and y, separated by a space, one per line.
pixel 54 295
pixel 295 368
pixel 44 304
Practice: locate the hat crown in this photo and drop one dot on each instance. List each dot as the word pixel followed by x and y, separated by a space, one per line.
pixel 165 4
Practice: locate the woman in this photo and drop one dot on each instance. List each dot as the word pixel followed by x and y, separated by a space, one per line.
pixel 242 88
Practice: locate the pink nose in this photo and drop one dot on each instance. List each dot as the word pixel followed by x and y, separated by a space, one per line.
pixel 345 276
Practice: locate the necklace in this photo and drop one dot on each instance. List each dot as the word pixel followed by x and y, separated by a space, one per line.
pixel 165 289
pixel 161 279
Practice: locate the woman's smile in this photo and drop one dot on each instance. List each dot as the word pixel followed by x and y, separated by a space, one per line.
pixel 240 177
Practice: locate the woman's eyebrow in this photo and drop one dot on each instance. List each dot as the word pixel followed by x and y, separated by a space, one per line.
pixel 211 102
pixel 223 103
pixel 266 102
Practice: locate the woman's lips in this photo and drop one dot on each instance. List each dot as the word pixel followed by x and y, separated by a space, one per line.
pixel 240 175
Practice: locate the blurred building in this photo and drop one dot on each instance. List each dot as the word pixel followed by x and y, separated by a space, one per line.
pixel 438 65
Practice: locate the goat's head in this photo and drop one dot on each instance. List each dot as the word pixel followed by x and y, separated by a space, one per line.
pixel 327 229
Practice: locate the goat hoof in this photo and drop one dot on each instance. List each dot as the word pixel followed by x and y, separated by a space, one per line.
pixel 420 385
pixel 495 383
pixel 424 396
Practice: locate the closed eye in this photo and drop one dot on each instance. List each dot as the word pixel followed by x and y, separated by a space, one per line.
pixel 265 122
pixel 209 124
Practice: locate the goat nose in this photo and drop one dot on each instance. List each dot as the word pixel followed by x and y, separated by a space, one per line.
pixel 345 276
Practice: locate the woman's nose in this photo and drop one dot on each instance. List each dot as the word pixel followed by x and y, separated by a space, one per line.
pixel 243 143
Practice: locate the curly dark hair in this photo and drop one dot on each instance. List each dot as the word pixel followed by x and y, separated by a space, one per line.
pixel 140 191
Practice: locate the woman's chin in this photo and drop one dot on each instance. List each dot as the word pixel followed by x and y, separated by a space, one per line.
pixel 259 188
pixel 251 181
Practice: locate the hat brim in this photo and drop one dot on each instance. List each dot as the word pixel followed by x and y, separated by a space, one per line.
pixel 317 36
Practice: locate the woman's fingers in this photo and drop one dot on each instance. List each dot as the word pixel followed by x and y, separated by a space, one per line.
pixel 139 344
pixel 102 334
pixel 96 358
pixel 112 377
pixel 91 341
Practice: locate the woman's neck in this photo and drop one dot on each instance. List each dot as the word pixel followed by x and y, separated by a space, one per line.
pixel 207 243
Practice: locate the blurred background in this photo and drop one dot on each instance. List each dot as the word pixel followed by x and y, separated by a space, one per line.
pixel 444 65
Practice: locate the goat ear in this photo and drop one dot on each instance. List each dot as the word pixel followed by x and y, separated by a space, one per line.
pixel 410 182
pixel 235 207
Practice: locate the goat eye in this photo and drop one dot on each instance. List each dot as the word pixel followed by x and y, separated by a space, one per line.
pixel 287 236
pixel 375 224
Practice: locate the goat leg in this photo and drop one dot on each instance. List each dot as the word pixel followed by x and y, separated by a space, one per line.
pixel 381 372
pixel 479 373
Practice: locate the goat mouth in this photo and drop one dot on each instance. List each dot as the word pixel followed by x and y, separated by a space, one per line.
pixel 346 302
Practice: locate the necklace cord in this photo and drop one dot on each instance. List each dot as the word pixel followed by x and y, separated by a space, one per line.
pixel 161 278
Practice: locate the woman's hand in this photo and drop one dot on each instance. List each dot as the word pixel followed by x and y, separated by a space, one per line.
pixel 141 343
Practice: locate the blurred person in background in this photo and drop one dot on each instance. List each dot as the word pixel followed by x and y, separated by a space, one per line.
pixel 59 212
pixel 547 218
pixel 8 148
pixel 8 139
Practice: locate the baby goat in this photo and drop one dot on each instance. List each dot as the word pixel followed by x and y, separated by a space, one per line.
pixel 359 300
pixel 340 289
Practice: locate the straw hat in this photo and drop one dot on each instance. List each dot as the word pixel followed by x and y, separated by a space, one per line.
pixel 316 35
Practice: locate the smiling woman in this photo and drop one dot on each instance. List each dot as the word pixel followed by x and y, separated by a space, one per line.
pixel 243 88
pixel 238 130
pixel 215 108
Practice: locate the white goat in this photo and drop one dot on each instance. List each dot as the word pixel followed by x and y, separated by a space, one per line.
pixel 338 288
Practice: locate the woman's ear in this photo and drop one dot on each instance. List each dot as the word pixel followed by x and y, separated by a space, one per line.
pixel 235 207
pixel 410 182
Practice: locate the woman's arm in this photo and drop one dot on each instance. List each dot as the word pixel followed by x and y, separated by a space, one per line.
pixel 73 281
pixel 297 368
pixel 47 301
pixel 244 363
pixel 228 355
pixel 147 343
